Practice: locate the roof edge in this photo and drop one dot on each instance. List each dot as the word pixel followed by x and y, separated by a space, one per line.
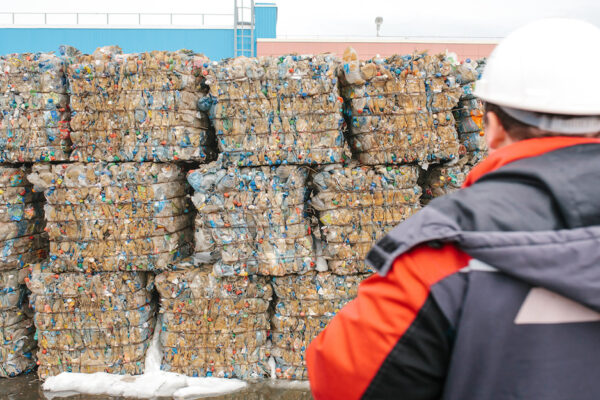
pixel 389 39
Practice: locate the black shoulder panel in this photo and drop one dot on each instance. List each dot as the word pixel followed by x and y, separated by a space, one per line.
pixel 416 367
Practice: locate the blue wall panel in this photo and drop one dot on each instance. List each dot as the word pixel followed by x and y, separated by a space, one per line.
pixel 266 21
pixel 214 43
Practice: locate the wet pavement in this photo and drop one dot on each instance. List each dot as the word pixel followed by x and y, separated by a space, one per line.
pixel 28 387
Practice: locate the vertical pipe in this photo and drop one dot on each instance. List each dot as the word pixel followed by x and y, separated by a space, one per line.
pixel 243 9
pixel 235 24
pixel 252 54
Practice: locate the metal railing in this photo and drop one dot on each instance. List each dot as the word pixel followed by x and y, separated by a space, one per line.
pixel 115 18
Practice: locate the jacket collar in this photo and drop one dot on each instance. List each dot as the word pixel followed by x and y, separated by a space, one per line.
pixel 522 149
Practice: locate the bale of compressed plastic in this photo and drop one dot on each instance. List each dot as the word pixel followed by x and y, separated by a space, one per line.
pixel 446 178
pixel 139 106
pixel 34 108
pixel 22 241
pixel 357 205
pixel 115 216
pixel 214 326
pixel 92 322
pixel 17 354
pixel 252 220
pixel 17 343
pixel 400 108
pixel 22 237
pixel 468 113
pixel 277 110
pixel 305 305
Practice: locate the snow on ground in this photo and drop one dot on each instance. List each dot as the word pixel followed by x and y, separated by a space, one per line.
pixel 153 383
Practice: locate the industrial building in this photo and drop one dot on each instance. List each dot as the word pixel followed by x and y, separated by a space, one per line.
pixel 250 29
pixel 378 46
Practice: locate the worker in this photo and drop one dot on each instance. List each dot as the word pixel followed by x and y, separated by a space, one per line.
pixel 492 292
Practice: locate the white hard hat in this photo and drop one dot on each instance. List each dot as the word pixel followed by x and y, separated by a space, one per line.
pixel 548 66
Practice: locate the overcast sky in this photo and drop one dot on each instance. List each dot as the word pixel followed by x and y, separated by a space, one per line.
pixel 454 18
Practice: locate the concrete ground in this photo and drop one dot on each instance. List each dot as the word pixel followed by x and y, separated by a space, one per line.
pixel 28 387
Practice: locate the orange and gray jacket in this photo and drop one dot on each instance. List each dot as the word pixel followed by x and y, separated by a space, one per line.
pixel 491 293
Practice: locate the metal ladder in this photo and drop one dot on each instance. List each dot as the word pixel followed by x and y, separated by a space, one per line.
pixel 243 28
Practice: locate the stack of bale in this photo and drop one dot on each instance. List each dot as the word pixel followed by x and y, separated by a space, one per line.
pixel 271 117
pixel 357 205
pixel 111 221
pixel 103 218
pixel 17 343
pixel 34 108
pixel 214 326
pixel 468 114
pixel 251 221
pixel 23 242
pixel 138 107
pixel 304 306
pixel 399 109
pixel 277 110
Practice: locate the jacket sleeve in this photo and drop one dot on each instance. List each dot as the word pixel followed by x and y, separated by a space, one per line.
pixel 393 340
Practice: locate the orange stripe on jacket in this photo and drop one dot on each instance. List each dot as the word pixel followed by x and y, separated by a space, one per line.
pixel 347 355
pixel 522 149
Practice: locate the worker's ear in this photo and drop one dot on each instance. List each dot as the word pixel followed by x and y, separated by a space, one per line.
pixel 495 134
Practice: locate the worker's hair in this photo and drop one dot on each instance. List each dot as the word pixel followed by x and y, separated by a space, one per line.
pixel 518 130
